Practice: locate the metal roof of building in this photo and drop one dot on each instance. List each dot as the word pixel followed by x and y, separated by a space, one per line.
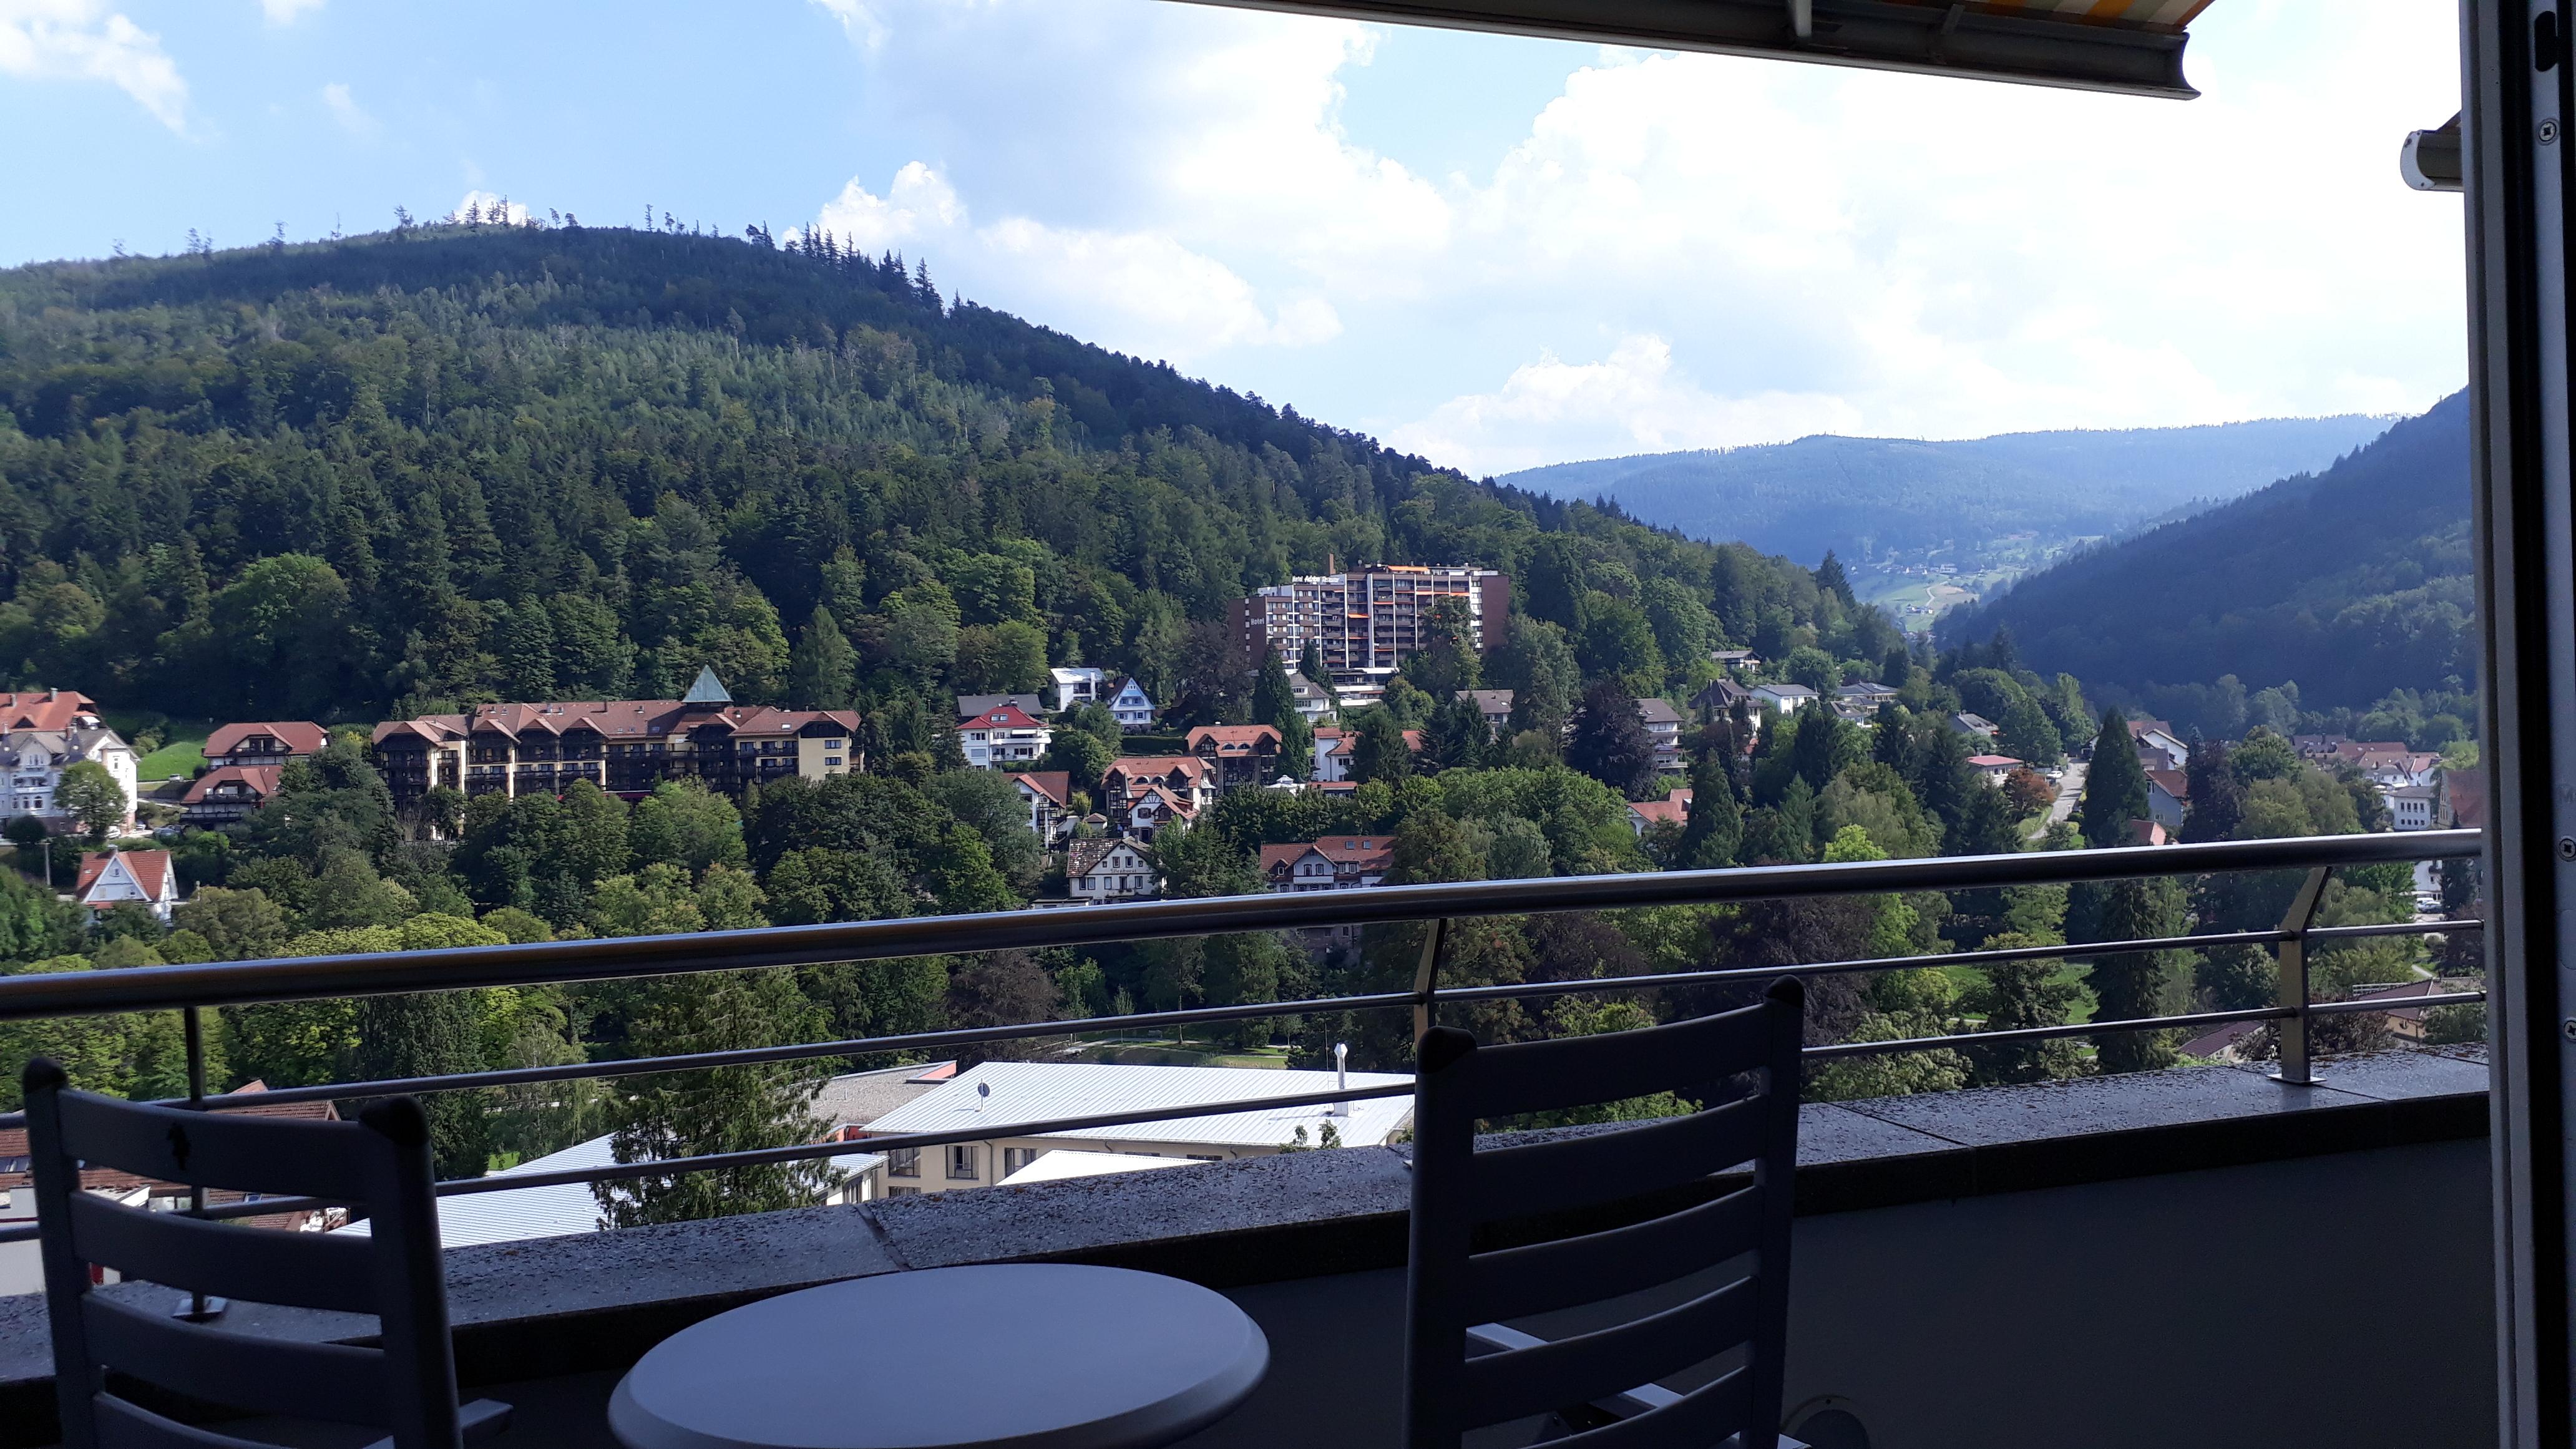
pixel 517 1214
pixel 1042 1091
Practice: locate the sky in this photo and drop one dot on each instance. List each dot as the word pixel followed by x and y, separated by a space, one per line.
pixel 1493 251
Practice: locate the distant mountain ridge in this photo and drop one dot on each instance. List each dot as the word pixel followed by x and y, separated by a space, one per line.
pixel 1870 498
pixel 2353 582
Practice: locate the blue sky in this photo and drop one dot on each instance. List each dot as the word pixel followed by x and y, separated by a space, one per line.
pixel 1498 252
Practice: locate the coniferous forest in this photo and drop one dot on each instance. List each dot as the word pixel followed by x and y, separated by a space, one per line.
pixel 450 464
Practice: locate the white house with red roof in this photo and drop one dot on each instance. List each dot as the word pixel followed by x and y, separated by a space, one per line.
pixel 1048 794
pixel 127 875
pixel 33 761
pixel 1152 809
pixel 1004 737
pixel 1993 767
pixel 1672 809
pixel 1334 863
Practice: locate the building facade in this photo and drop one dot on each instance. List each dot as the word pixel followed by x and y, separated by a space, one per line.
pixel 625 747
pixel 1372 618
pixel 114 876
pixel 228 793
pixel 1005 737
pixel 265 743
pixel 36 758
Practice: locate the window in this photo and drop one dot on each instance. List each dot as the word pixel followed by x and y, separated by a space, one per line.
pixel 904 1162
pixel 1015 1158
pixel 903 1192
pixel 961 1162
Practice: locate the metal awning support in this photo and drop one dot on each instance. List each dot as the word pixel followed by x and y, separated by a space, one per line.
pixel 2033 43
pixel 2430 160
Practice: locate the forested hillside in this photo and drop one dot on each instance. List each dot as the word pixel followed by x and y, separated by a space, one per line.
pixel 2351 585
pixel 1870 498
pixel 457 463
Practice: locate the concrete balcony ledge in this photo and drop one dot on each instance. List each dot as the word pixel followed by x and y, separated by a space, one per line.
pixel 561 1307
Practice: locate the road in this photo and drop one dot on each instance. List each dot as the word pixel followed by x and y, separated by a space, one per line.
pixel 2070 788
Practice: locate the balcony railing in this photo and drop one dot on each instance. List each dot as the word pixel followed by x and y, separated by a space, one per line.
pixel 190 988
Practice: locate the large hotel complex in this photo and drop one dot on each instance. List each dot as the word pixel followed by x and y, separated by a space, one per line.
pixel 1368 621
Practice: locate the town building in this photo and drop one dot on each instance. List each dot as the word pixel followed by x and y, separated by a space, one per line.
pixel 1132 707
pixel 1993 768
pixel 2156 735
pixel 1108 870
pixel 1495 705
pixel 2168 797
pixel 228 793
pixel 47 709
pixel 1664 729
pixel 1241 754
pixel 1333 749
pixel 1187 776
pixel 1975 726
pixel 2147 832
pixel 1313 700
pixel 1740 661
pixel 970 705
pixel 1673 809
pixel 2410 807
pixel 1371 618
pixel 1049 796
pixel 1151 809
pixel 625 747
pixel 269 743
pixel 110 877
pixel 1720 698
pixel 1004 737
pixel 1785 698
pixel 1865 693
pixel 36 758
pixel 1076 684
pixel 1001 1095
pixel 1335 863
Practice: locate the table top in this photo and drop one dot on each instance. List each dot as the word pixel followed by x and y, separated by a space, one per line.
pixel 1036 1356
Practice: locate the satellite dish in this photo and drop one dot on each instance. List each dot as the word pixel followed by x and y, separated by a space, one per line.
pixel 983 1089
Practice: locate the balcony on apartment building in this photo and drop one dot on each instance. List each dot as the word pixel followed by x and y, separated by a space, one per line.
pixel 2293 1252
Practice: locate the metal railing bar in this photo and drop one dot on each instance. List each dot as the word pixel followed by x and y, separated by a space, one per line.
pixel 968 1036
pixel 234 983
pixel 2047 1033
pixel 2393 928
pixel 2401 1003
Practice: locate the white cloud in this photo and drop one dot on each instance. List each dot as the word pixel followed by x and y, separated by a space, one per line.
pixel 77 39
pixel 286 12
pixel 490 208
pixel 1729 250
pixel 346 111
pixel 1137 291
pixel 1632 401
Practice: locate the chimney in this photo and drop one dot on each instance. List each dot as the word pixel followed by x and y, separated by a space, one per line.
pixel 1341 1078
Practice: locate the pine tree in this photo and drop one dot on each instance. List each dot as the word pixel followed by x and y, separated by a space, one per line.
pixel 822 671
pixel 428 1034
pixel 2115 788
pixel 1831 579
pixel 1715 825
pixel 2133 985
pixel 729 1109
pixel 1609 741
pixel 1273 700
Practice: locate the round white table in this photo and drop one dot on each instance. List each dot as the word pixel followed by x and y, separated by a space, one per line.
pixel 1035 1356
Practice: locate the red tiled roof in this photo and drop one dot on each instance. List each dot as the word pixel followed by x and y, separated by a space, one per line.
pixel 615 719
pixel 302 737
pixel 1002 717
pixel 262 779
pixel 2174 782
pixel 1235 739
pixel 1055 785
pixel 44 709
pixel 1674 807
pixel 151 871
pixel 1992 762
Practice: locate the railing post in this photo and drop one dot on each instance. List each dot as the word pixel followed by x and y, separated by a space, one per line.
pixel 2293 955
pixel 1426 976
pixel 199 1308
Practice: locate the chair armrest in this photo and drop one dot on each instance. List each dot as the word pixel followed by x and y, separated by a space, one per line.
pixel 1490 1338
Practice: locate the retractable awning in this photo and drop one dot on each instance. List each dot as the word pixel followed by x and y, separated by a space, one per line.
pixel 2133 47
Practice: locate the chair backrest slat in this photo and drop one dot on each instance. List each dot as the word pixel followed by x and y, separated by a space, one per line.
pixel 301 1270
pixel 1746 1065
pixel 272 1375
pixel 126 1426
pixel 380 1164
pixel 1592 1365
pixel 1543 1277
pixel 1548 1076
pixel 217 1149
pixel 1546 1177
pixel 1706 1415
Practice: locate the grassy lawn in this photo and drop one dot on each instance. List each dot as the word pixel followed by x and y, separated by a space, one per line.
pixel 179 757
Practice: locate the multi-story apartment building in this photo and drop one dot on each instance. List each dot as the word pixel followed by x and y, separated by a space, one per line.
pixel 623 746
pixel 1004 737
pixel 1370 619
pixel 45 733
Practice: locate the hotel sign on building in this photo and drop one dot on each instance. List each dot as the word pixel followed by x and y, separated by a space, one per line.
pixel 623 746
